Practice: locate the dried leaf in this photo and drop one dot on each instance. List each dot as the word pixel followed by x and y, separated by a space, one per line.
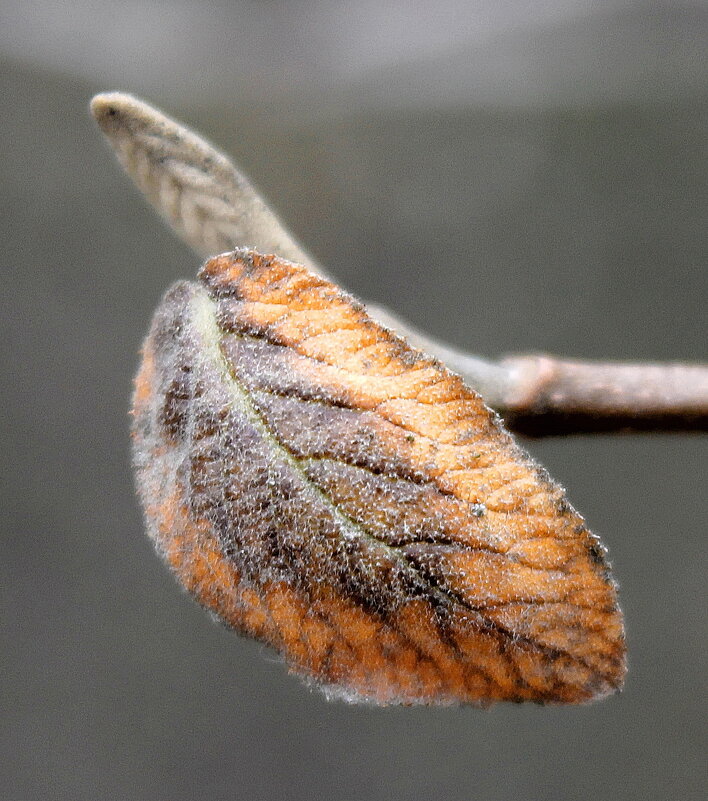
pixel 326 488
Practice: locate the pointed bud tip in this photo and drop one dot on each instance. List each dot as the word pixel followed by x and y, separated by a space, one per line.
pixel 107 104
pixel 111 108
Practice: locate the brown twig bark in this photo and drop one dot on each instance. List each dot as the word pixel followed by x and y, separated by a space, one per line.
pixel 213 207
pixel 557 396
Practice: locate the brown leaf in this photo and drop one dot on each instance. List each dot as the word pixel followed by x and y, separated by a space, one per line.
pixel 326 488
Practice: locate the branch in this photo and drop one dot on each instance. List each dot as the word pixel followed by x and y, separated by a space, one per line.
pixel 555 396
pixel 214 208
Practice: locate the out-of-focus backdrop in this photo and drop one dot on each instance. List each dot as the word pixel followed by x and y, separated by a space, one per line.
pixel 508 176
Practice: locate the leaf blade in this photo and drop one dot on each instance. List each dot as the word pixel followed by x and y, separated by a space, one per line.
pixel 369 520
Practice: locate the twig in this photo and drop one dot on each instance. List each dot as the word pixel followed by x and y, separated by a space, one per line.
pixel 556 396
pixel 214 208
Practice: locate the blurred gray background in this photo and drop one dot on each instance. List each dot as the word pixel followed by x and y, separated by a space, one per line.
pixel 509 176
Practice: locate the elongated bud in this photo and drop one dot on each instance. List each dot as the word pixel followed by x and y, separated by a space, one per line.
pixel 197 189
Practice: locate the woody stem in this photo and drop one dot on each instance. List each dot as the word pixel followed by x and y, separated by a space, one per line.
pixel 213 207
